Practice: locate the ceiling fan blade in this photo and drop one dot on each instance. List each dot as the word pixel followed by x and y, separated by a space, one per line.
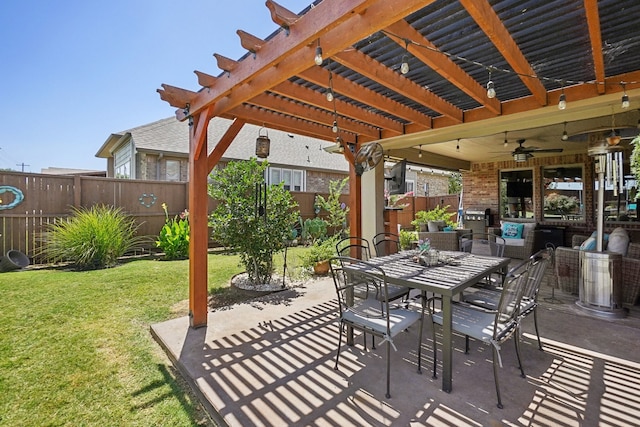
pixel 548 150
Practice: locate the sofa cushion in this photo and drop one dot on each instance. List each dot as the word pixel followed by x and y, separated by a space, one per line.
pixel 511 230
pixel 618 241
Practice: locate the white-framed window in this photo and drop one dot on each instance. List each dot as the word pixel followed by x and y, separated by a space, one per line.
pixel 409 185
pixel 172 170
pixel 293 179
pixel 122 162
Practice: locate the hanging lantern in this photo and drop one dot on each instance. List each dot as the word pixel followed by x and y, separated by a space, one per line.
pixel 262 144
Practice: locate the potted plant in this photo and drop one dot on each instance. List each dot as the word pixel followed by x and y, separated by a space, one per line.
pixel 438 213
pixel 318 256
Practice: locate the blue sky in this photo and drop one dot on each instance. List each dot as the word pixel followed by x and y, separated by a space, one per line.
pixel 73 72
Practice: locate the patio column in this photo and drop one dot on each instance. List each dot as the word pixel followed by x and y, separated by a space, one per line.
pixel 372 189
pixel 198 222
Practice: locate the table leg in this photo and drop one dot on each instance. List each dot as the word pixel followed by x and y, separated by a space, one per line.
pixel 447 344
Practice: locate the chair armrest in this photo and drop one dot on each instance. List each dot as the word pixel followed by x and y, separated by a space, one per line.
pixel 567 264
pixel 633 251
pixel 578 239
pixel 630 280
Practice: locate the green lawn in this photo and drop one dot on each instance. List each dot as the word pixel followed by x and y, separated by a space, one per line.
pixel 75 347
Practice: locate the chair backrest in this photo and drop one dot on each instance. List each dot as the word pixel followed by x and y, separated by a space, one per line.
pixel 540 261
pixel 348 282
pixel 509 305
pixel 386 244
pixel 360 246
pixel 487 244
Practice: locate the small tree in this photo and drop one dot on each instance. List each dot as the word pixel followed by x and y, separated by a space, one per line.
pixel 242 221
pixel 337 219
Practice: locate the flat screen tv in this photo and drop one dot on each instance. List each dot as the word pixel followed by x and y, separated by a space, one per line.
pixel 397 177
pixel 519 189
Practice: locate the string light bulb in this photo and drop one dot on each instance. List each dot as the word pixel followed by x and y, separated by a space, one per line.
pixel 565 135
pixel 318 58
pixel 562 101
pixel 420 152
pixel 329 95
pixel 334 128
pixel 625 97
pixel 491 89
pixel 458 146
pixel 505 139
pixel 404 67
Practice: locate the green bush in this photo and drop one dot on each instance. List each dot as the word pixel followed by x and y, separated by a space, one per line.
pixel 406 237
pixel 174 236
pixel 314 229
pixel 247 223
pixel 92 238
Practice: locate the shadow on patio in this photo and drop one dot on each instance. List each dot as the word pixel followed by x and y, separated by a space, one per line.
pixel 271 362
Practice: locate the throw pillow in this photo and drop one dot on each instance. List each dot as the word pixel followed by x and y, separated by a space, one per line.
pixel 511 230
pixel 449 228
pixel 589 244
pixel 618 241
pixel 433 226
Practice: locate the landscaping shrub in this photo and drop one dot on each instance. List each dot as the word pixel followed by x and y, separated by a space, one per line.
pixel 247 223
pixel 174 236
pixel 91 238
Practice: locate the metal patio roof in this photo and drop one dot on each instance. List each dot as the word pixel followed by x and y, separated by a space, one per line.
pixel 532 50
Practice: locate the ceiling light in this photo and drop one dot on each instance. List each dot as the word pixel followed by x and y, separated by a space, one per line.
pixel 520 157
pixel 562 102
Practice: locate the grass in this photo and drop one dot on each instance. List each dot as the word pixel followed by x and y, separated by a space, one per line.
pixel 75 347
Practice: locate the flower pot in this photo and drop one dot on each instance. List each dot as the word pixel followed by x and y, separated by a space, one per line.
pixel 14 260
pixel 321 268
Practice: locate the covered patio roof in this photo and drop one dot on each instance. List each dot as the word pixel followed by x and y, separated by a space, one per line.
pixel 532 51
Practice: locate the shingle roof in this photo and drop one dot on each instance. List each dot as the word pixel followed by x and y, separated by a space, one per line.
pixel 172 136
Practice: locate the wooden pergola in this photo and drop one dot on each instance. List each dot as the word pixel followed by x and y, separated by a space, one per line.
pixel 533 52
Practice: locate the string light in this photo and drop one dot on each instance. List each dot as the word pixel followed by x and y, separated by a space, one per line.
pixel 318 58
pixel 420 152
pixel 565 135
pixel 562 101
pixel 404 67
pixel 625 97
pixel 505 139
pixel 334 128
pixel 329 93
pixel 458 146
pixel 491 90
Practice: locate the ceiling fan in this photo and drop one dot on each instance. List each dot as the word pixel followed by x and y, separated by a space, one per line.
pixel 368 157
pixel 522 154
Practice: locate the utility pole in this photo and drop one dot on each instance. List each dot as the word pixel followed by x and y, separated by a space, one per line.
pixel 22 165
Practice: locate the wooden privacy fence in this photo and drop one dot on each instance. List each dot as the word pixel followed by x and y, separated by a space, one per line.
pixel 47 198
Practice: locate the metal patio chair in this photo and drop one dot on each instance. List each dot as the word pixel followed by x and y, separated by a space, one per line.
pixel 386 244
pixel 537 264
pixel 374 316
pixel 490 327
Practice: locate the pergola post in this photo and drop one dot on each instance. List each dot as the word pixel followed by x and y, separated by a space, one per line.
pixel 198 221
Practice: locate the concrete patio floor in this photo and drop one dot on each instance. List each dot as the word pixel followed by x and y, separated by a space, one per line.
pixel 270 363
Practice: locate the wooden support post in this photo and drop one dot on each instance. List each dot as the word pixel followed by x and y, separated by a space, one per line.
pixel 199 236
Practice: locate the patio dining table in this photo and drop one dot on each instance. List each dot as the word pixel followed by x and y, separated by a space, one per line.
pixel 454 272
